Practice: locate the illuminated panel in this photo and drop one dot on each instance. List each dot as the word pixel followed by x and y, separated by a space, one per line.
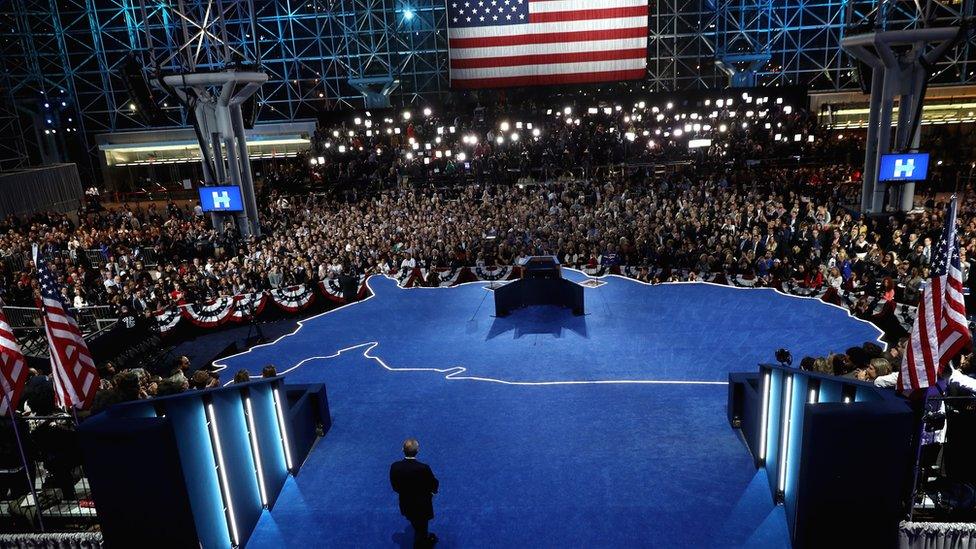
pixel 256 450
pixel 279 411
pixel 786 409
pixel 764 418
pixel 222 474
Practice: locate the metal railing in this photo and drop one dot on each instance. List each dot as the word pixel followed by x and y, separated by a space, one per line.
pixel 43 486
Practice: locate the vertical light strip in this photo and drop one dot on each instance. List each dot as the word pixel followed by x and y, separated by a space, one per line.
pixel 764 418
pixel 847 400
pixel 813 396
pixel 258 465
pixel 784 444
pixel 222 473
pixel 281 425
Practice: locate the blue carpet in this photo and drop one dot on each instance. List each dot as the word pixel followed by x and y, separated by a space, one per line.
pixel 530 447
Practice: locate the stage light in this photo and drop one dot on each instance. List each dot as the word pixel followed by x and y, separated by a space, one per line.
pixel 408 14
pixel 256 450
pixel 764 416
pixel 577 121
pixel 687 127
pixel 659 117
pixel 48 132
pixel 415 146
pixel 847 400
pixel 132 106
pixel 696 127
pixel 352 133
pixel 281 426
pixel 504 126
pixel 812 397
pixel 426 160
pixel 745 125
pixel 784 445
pixel 222 473
pixel 47 105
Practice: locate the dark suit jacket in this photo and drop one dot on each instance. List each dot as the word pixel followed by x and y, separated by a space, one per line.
pixel 416 484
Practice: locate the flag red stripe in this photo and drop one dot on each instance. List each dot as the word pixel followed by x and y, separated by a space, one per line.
pixel 909 364
pixel 587 15
pixel 547 38
pixel 547 59
pixel 572 78
pixel 923 334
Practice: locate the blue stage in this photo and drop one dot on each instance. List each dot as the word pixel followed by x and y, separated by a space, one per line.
pixel 545 429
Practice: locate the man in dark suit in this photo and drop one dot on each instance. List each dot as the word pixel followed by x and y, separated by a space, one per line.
pixel 416 485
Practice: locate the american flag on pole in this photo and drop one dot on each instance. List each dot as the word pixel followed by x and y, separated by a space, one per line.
pixel 502 43
pixel 940 331
pixel 72 366
pixel 13 368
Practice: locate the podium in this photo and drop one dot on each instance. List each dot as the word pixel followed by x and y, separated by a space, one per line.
pixel 541 284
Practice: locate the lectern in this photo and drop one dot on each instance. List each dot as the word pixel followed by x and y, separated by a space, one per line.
pixel 541 284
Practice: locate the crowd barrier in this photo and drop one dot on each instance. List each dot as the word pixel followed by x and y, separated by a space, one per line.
pixel 839 454
pixel 895 319
pixel 43 486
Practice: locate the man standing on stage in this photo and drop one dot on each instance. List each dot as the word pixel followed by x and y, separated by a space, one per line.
pixel 416 485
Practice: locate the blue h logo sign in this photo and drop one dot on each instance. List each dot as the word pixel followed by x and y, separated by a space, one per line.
pixel 221 201
pixel 904 167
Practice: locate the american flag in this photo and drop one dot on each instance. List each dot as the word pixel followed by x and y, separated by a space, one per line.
pixel 501 43
pixel 72 366
pixel 940 331
pixel 13 369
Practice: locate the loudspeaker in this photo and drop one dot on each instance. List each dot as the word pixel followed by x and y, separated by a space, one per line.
pixel 249 111
pixel 140 93
pixel 865 74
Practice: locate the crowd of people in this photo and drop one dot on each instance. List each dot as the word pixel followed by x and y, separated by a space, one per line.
pixel 615 193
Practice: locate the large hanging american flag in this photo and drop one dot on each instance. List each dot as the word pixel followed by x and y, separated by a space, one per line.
pixel 940 331
pixel 72 366
pixel 501 43
pixel 13 368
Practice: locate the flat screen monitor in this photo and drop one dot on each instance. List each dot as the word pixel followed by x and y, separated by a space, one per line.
pixel 904 167
pixel 221 199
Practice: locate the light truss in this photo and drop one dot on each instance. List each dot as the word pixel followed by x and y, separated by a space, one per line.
pixel 73 51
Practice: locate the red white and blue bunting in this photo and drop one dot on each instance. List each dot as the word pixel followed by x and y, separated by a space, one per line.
pixel 298 298
pixel 293 298
pixel 210 314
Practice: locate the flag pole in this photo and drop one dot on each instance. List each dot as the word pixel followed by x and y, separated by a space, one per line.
pixel 23 459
